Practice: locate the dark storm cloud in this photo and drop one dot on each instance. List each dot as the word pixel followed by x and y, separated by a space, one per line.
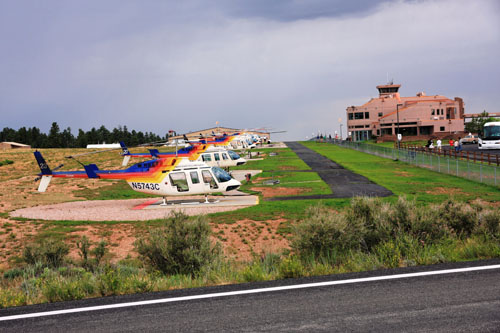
pixel 294 65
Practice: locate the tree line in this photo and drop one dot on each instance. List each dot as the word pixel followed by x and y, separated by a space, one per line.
pixel 65 139
pixel 476 125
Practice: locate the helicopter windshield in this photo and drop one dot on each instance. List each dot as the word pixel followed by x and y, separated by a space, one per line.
pixel 233 155
pixel 221 175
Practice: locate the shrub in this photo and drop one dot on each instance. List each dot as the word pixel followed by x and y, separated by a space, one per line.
pixel 109 281
pixel 489 222
pixel 324 233
pixel 254 272
pixel 6 162
pixel 49 252
pixel 374 216
pixel 180 247
pixel 462 218
pixel 290 268
pixel 99 251
pixel 13 273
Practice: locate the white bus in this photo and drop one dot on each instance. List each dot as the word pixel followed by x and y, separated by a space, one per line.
pixel 491 136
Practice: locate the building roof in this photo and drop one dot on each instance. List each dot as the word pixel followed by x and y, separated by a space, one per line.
pixel 16 144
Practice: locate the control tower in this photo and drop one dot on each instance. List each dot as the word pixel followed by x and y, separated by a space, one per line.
pixel 388 89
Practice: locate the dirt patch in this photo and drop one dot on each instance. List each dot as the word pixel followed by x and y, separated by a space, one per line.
pixel 287 167
pixel 446 190
pixel 246 239
pixel 268 192
pixel 483 203
pixel 403 174
pixel 13 237
pixel 120 240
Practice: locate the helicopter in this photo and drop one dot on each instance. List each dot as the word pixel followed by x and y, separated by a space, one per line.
pixel 165 176
pixel 199 151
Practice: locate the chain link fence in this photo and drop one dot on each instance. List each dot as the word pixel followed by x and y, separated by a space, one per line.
pixel 478 172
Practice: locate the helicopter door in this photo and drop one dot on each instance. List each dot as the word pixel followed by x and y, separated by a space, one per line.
pixel 209 179
pixel 179 181
pixel 217 158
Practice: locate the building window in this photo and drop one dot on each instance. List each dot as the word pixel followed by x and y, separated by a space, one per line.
pixel 350 116
pixel 433 112
pixel 380 114
pixel 358 115
pixel 367 115
pixel 441 129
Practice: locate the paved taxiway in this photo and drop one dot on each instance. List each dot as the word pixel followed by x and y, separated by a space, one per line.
pixel 455 301
pixel 343 183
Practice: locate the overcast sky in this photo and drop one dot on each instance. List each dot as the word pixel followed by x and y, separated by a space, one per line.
pixel 290 65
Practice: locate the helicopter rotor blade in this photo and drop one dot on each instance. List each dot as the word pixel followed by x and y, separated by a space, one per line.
pixel 93 152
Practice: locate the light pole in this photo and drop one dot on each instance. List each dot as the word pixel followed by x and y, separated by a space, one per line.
pixel 340 121
pixel 397 115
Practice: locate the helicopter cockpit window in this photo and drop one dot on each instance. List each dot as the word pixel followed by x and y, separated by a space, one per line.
pixel 224 156
pixel 208 179
pixel 233 155
pixel 221 175
pixel 206 158
pixel 178 179
pixel 195 179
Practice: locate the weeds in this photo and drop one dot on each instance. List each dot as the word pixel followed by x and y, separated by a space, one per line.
pixel 182 246
pixel 369 234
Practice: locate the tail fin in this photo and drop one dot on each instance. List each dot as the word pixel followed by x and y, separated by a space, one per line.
pixel 42 164
pixel 46 172
pixel 125 153
pixel 125 150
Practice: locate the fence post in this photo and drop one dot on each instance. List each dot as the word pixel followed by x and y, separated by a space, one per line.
pixel 439 164
pixel 449 157
pixel 457 166
pixel 481 172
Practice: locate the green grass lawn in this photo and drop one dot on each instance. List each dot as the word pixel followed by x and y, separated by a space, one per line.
pixel 403 179
pixel 390 144
pixel 285 159
pixel 309 182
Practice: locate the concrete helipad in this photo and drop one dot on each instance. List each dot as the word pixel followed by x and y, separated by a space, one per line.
pixel 232 199
pixel 135 209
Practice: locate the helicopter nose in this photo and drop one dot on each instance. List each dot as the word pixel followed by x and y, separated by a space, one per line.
pixel 233 184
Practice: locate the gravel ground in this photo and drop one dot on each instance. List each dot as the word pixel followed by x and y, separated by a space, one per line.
pixel 115 210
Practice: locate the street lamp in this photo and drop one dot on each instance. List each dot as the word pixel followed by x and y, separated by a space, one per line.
pixel 340 121
pixel 397 115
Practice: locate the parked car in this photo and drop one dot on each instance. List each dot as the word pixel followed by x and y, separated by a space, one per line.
pixel 469 139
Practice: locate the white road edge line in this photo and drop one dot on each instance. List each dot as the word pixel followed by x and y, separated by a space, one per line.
pixel 246 292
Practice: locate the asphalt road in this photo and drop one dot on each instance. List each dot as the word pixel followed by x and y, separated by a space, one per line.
pixel 456 302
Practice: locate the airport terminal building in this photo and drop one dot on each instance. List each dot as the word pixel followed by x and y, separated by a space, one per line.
pixel 419 116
